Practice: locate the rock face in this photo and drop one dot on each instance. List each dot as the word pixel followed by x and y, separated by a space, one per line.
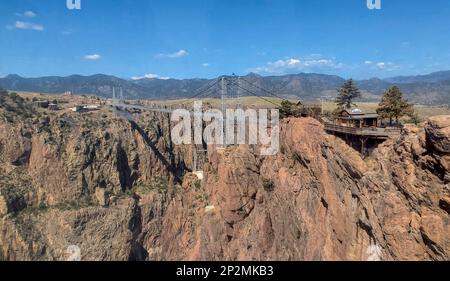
pixel 318 200
pixel 119 190
pixel 438 133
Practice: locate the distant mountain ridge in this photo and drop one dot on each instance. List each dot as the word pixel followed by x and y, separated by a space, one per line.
pixel 430 78
pixel 432 88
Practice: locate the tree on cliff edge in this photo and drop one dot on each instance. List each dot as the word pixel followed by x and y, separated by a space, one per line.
pixel 286 109
pixel 394 106
pixel 346 94
pixel 3 94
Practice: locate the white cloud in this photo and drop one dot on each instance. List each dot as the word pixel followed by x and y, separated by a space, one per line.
pixel 388 66
pixel 206 64
pixel 310 63
pixel 381 65
pixel 29 14
pixel 92 57
pixel 176 55
pixel 28 25
pixel 26 14
pixel 150 76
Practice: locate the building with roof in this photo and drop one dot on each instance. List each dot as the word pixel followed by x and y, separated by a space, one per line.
pixel 41 103
pixel 356 118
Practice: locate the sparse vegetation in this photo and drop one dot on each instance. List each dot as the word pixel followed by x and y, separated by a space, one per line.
pixel 34 210
pixel 15 107
pixel 157 184
pixel 413 118
pixel 268 184
pixel 84 202
pixel 198 184
pixel 13 96
pixel 75 205
pixel 201 196
pixel 3 94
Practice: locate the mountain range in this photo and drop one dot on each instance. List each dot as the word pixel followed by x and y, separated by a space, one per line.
pixel 433 88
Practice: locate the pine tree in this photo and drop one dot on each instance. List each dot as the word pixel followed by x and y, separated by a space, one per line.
pixel 346 94
pixel 393 105
pixel 286 109
pixel 3 94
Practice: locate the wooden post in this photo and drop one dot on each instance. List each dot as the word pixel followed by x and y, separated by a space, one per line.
pixel 363 145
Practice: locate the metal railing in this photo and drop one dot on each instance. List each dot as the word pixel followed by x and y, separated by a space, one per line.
pixel 369 131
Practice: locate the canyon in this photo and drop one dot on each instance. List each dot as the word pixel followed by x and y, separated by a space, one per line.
pixel 120 189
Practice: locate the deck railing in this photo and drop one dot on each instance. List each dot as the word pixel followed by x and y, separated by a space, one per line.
pixel 369 131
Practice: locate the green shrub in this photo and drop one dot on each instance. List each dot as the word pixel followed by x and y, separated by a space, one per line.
pixel 157 184
pixel 268 184
pixel 198 184
pixel 13 96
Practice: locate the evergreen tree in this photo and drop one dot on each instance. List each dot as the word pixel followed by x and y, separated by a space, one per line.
pixel 394 106
pixel 3 94
pixel 286 109
pixel 346 94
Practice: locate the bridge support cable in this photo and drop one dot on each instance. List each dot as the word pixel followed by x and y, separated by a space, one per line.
pixel 208 87
pixel 264 90
pixel 256 95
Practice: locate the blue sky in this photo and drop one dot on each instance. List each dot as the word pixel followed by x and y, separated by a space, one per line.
pixel 207 38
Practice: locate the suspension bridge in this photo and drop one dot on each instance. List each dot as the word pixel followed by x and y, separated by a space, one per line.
pixel 229 90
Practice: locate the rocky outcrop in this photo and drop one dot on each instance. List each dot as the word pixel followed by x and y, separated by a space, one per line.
pixel 318 200
pixel 438 133
pixel 119 190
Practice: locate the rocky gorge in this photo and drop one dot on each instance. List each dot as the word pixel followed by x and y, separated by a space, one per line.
pixel 120 190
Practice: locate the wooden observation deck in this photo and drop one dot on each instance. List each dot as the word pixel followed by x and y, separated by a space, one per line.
pixel 357 125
